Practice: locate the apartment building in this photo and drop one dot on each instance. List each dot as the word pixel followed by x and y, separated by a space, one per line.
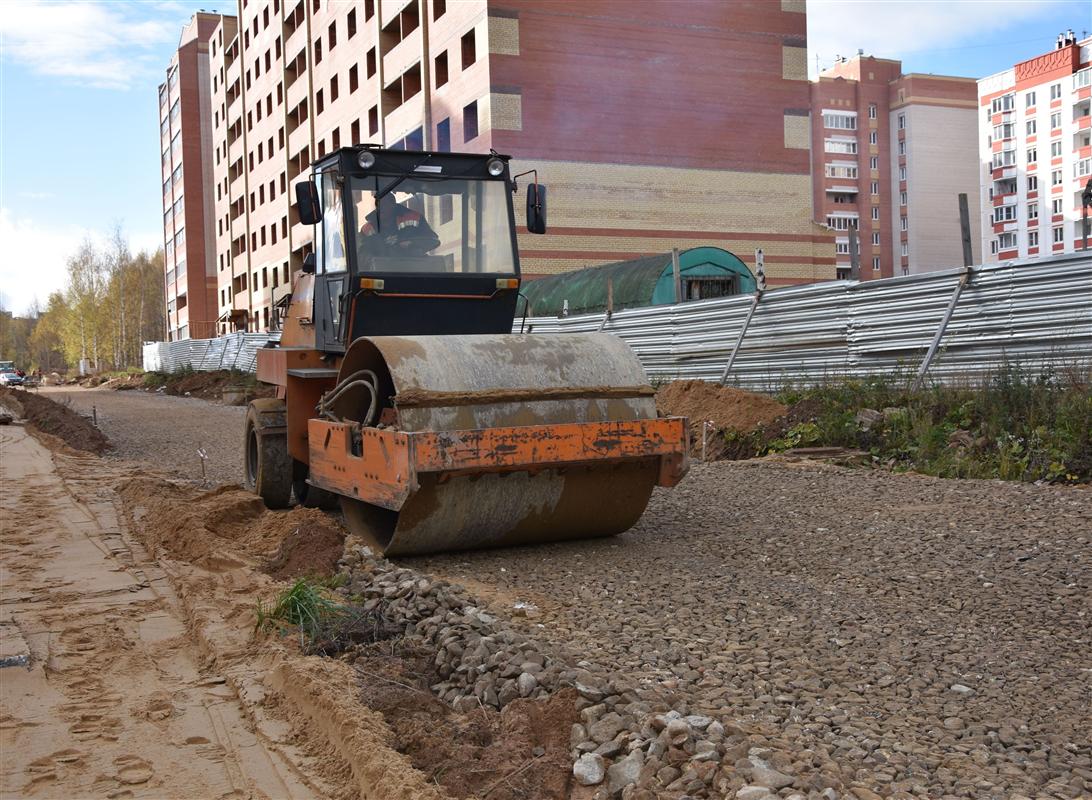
pixel 892 153
pixel 653 124
pixel 1035 145
pixel 185 141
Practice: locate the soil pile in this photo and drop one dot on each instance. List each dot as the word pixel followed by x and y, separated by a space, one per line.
pixel 57 420
pixel 211 385
pixel 311 550
pixel 725 406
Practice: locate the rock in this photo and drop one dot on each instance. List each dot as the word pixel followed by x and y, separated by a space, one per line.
pixel 625 772
pixel 960 689
pixel 607 728
pixel 954 724
pixel 753 793
pixel 465 703
pixel 698 722
pixel 677 731
pixel 609 749
pixel 577 734
pixel 770 777
pixel 526 683
pixel 589 692
pixel 590 769
pixel 867 418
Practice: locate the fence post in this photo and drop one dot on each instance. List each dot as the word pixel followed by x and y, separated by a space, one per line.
pixel 610 305
pixel 965 229
pixel 964 279
pixel 676 273
pixel 854 254
pixel 739 339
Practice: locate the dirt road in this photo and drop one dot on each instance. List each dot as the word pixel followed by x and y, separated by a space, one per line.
pixel 115 702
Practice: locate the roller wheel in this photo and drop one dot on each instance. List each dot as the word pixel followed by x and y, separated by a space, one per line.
pixel 308 495
pixel 268 467
pixel 371 523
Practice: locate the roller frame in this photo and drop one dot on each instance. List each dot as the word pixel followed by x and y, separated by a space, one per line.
pixel 390 461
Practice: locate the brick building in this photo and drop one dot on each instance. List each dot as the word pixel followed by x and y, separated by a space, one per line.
pixel 1036 152
pixel 185 139
pixel 651 131
pixel 892 152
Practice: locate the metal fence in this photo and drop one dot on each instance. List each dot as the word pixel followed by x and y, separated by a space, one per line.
pixel 1032 313
pixel 231 351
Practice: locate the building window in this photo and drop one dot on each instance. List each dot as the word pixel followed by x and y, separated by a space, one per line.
pixel 902 147
pixel 876 264
pixel 1056 91
pixel 902 122
pixel 1033 155
pixel 1033 238
pixel 354 132
pixel 841 248
pixel 470 122
pixel 1055 149
pixel 1006 241
pixel 905 249
pixel 469 52
pixel 875 212
pixel 318 51
pixel 840 223
pixel 1056 120
pixel 903 224
pixel 902 172
pixel 443 136
pixel 438 9
pixel 1033 211
pixel 333 88
pixel 875 187
pixel 373 120
pixel 1033 183
pixel 440 69
pixel 873 137
pixel 1031 127
pixel 333 34
pixel 1029 99
pixel 1056 178
pixel 872 111
pixel 844 122
pixel 902 198
pixel 875 240
pixel 1056 206
pixel 1058 235
pixel 1004 214
pixel 319 102
pixel 1003 103
pixel 840 170
pixel 369 61
pixel 848 146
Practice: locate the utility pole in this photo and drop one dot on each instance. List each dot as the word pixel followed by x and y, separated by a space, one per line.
pixel 1086 201
pixel 965 229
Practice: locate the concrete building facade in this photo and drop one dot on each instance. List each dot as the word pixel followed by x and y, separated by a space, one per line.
pixel 185 138
pixel 892 153
pixel 1035 146
pixel 649 134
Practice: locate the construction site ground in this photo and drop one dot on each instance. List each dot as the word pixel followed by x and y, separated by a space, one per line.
pixel 849 632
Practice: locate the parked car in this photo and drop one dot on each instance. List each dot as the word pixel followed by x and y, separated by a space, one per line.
pixel 10 377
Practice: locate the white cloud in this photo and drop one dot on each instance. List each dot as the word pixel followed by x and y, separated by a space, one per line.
pixel 90 43
pixel 35 255
pixel 899 28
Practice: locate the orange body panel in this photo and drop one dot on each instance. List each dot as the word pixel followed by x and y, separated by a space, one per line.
pixel 385 473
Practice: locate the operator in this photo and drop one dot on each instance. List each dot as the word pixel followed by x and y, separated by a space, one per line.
pixel 395 229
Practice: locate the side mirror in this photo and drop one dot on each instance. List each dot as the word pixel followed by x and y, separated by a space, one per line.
pixel 307 203
pixel 536 208
pixel 308 265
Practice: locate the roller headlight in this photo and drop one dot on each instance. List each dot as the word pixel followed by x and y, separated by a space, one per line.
pixel 366 159
pixel 495 167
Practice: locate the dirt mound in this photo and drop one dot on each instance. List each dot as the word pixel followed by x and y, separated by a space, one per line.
pixel 519 752
pixel 216 528
pixel 726 407
pixel 311 550
pixel 57 420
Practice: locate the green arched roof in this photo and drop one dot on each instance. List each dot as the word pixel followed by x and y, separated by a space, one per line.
pixel 639 282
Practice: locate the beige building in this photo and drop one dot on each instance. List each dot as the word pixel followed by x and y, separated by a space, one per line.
pixel 645 140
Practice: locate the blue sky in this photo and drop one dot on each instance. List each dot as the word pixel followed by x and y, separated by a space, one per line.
pixel 79 135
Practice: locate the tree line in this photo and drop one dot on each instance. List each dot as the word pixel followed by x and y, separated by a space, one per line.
pixel 112 303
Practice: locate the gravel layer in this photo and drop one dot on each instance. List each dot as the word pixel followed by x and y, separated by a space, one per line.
pixel 768 629
pixel 163 431
pixel 889 633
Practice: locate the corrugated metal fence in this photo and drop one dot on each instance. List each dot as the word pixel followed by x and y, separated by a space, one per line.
pixel 1032 313
pixel 233 351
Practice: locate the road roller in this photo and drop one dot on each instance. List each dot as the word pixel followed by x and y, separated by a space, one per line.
pixel 404 394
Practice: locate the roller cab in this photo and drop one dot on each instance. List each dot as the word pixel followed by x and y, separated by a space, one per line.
pixel 403 393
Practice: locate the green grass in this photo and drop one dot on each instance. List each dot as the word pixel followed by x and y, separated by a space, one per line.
pixel 1014 425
